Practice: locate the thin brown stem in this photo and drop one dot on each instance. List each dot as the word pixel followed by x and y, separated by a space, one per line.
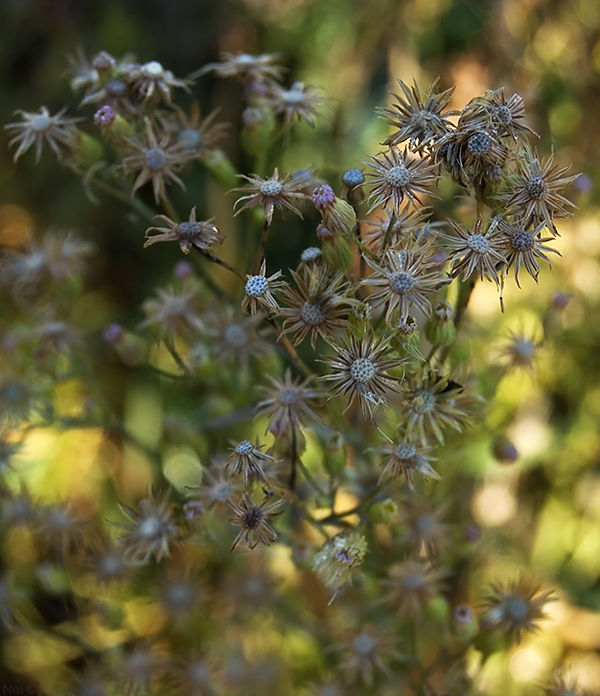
pixel 177 358
pixel 260 252
pixel 289 348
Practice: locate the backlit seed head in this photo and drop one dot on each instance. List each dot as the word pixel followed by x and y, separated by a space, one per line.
pixel 270 187
pixel 479 144
pixel 522 240
pixel 401 282
pixel 362 370
pixel 536 187
pixel 256 285
pixel 152 69
pixel 398 176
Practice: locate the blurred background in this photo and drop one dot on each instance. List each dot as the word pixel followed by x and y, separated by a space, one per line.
pixel 542 511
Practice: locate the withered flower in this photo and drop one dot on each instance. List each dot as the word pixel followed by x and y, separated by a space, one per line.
pixel 396 177
pixel 156 160
pixel 246 460
pixel 432 402
pixel 151 532
pixel 419 122
pixel 405 224
pixel 194 133
pixel 405 457
pixel 246 68
pixel 151 81
pixel 522 247
pixel 493 111
pixel 364 651
pixel 472 156
pixel 359 371
pixel 423 525
pixel 317 307
pixel 235 336
pixel 259 291
pixel 254 520
pixel 173 312
pixel 287 404
pixel 516 607
pixel 476 251
pixel 535 191
pixel 297 102
pixel 200 234
pixel 412 585
pixel 404 278
pixel 41 129
pixel 271 193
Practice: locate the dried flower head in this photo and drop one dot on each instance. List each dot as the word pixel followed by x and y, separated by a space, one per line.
pixel 494 112
pixel 516 607
pixel 404 226
pixel 404 279
pixel 151 82
pixel 41 129
pixel 359 371
pixel 396 176
pixel 259 291
pixel 246 68
pixel 364 652
pixel 254 520
pixel 334 562
pixel 151 532
pixel 412 585
pixel 519 351
pixel 247 460
pixel 317 307
pixel 476 251
pixel 288 403
pixel 297 102
pixel 192 233
pixel 424 528
pixel 173 312
pixel 271 193
pixel 405 457
pixel 114 93
pixel 235 336
pixel 193 133
pixel 156 160
pixel 522 247
pixel 432 402
pixel 217 488
pixel 535 191
pixel 472 156
pixel 419 122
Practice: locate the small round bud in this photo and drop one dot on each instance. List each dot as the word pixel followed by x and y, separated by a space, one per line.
pixel 103 61
pixel 310 255
pixel 504 451
pixel 437 610
pixel 113 333
pixel 383 512
pixel 183 270
pixel 472 533
pixel 193 510
pixel 104 116
pixel 560 300
pixel 440 329
pixel 353 177
pixel 323 197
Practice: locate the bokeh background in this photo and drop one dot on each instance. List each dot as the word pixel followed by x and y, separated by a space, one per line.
pixel 543 511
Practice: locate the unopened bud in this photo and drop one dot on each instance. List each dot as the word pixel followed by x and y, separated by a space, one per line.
pixel 87 149
pixel 258 129
pixel 221 168
pixel 338 255
pixel 504 451
pixel 440 329
pixel 383 512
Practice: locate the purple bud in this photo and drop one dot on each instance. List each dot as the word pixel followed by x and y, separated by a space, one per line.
pixel 104 116
pixel 323 197
pixel 353 177
pixel 472 533
pixel 183 270
pixel 463 614
pixel 324 234
pixel 193 510
pixel 103 61
pixel 504 451
pixel 439 258
pixel 583 183
pixel 113 333
pixel 560 300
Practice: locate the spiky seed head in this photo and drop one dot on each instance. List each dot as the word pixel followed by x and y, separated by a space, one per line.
pixel 479 144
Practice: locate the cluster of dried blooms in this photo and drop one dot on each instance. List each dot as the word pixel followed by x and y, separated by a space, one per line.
pixel 372 388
